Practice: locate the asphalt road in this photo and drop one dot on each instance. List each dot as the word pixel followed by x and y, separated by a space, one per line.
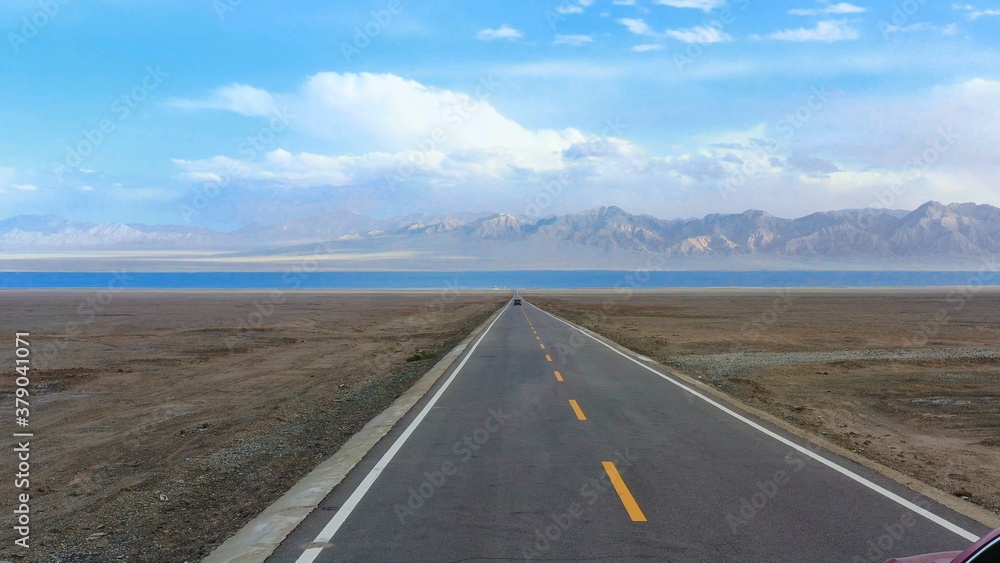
pixel 548 444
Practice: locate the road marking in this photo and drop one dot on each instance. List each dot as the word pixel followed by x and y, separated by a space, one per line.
pixel 538 338
pixel 628 500
pixel 535 331
pixel 957 530
pixel 558 376
pixel 338 519
pixel 543 346
pixel 577 410
pixel 548 357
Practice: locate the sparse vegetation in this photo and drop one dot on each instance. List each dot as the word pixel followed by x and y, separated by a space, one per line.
pixel 420 354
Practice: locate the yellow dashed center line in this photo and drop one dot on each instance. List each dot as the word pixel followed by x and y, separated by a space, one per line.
pixel 548 357
pixel 628 500
pixel 538 338
pixel 634 512
pixel 543 346
pixel 577 410
pixel 559 376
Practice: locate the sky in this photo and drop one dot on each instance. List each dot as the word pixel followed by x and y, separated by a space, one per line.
pixel 216 113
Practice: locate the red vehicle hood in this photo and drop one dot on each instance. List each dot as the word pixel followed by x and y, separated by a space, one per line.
pixel 945 557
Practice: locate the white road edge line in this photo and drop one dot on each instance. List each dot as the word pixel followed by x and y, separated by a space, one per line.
pixel 331 528
pixel 842 470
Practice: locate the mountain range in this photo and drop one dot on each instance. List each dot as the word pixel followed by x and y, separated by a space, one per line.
pixel 605 237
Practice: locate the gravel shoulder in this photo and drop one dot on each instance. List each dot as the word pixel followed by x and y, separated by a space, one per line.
pixel 736 364
pixel 164 421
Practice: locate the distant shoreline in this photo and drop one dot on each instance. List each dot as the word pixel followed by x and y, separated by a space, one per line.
pixel 735 290
pixel 617 281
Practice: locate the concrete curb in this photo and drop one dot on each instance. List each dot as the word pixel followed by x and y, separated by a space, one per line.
pixel 256 541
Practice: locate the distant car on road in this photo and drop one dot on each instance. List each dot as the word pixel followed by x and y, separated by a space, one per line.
pixel 517 301
pixel 986 550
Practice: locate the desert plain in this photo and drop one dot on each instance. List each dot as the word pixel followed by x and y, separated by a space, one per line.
pixel 165 420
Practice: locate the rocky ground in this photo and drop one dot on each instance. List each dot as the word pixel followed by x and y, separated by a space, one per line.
pixel 164 421
pixel 908 378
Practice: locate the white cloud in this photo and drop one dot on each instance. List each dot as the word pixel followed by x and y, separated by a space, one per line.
pixel 704 5
pixel 636 26
pixel 25 187
pixel 841 8
pixel 890 29
pixel 572 40
pixel 239 98
pixel 974 13
pixel 503 32
pixel 647 47
pixel 566 8
pixel 441 137
pixel 941 144
pixel 825 31
pixel 365 112
pixel 86 188
pixel 700 34
pixel 406 143
pixel 623 2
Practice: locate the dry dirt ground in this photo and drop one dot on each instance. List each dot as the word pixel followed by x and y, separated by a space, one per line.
pixel 164 421
pixel 909 379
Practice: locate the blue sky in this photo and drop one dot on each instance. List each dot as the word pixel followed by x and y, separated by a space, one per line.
pixel 221 112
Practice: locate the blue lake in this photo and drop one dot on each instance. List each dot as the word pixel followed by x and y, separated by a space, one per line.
pixel 558 279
